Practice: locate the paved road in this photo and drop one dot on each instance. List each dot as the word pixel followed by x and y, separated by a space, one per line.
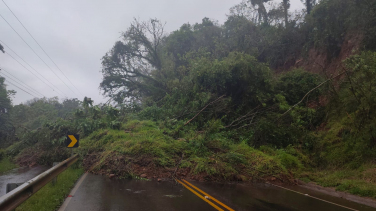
pixel 19 175
pixel 94 192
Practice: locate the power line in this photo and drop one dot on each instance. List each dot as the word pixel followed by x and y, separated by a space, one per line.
pixel 35 53
pixel 57 89
pixel 36 75
pixel 9 78
pixel 20 88
pixel 41 47
pixel 22 82
pixel 15 79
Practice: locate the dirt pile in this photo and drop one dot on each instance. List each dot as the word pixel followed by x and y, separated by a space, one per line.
pixel 118 166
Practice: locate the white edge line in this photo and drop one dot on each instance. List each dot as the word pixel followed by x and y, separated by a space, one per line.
pixel 313 197
pixel 67 200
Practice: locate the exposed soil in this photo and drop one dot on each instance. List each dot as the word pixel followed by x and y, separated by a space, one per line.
pixel 37 155
pixel 29 157
pixel 122 166
pixel 319 62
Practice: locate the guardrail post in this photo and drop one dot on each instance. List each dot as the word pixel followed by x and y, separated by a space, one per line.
pixel 12 186
pixel 54 180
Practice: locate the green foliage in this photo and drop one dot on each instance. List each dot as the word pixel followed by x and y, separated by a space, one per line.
pixel 6 164
pixel 126 74
pixel 153 113
pixel 2 153
pixel 289 161
pixel 14 149
pixel 328 26
pixel 235 158
pixel 241 35
pixel 211 153
pixel 115 125
pixel 296 83
pixel 41 120
pixel 349 140
pixel 6 127
pixel 202 36
pixel 209 97
pixel 238 76
pixel 332 20
pixel 45 144
pixel 359 181
pixel 279 135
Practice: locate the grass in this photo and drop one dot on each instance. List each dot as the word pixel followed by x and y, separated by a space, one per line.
pixel 360 181
pixel 6 165
pixel 346 160
pixel 50 197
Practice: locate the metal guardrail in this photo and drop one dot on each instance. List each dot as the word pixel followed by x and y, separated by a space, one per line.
pixel 14 198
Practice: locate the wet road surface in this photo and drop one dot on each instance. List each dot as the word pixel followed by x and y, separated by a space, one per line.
pixel 265 197
pixel 19 175
pixel 101 193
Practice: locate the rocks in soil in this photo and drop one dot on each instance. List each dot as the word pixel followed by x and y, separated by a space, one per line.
pixel 143 175
pixel 32 164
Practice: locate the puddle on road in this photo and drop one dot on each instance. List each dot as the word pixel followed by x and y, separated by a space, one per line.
pixel 101 193
pixel 19 175
pixel 172 196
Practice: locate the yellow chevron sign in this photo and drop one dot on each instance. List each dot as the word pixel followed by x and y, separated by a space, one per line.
pixel 72 141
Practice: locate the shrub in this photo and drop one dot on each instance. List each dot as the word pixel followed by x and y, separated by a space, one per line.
pixel 295 84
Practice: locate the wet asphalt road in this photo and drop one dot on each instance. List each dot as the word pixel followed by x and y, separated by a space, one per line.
pixel 101 193
pixel 93 192
pixel 19 175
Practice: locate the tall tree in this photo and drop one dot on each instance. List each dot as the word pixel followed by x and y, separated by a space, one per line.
pixel 263 14
pixel 286 7
pixel 309 5
pixel 241 35
pixel 130 70
pixel 5 106
pixel 179 42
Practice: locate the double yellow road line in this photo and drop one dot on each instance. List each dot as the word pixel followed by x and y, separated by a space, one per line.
pixel 206 197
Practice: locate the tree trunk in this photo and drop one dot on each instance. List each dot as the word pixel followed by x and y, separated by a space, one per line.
pixel 309 6
pixel 263 12
pixel 286 8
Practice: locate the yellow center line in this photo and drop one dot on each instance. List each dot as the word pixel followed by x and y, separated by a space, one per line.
pixel 211 197
pixel 197 194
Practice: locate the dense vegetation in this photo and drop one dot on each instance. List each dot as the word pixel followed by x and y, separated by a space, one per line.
pixel 223 102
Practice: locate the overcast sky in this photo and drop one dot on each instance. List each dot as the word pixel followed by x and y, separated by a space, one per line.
pixel 76 35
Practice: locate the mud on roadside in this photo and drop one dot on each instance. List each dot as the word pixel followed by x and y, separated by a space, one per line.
pixel 119 166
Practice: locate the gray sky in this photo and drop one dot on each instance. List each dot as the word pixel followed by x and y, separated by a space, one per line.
pixel 76 35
